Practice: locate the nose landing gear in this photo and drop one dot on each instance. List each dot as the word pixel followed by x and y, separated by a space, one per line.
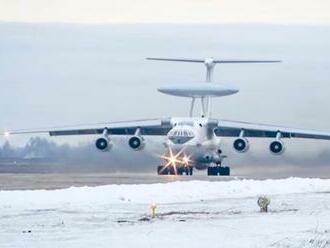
pixel 216 169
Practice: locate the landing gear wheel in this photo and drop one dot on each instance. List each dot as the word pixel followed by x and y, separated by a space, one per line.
pixel 180 170
pixel 189 170
pixel 169 170
pixel 218 171
pixel 224 171
pixel 212 171
pixel 162 170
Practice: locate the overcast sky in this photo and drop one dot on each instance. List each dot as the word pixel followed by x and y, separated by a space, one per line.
pixel 55 74
pixel 169 11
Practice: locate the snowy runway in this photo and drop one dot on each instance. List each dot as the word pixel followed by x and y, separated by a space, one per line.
pixel 189 214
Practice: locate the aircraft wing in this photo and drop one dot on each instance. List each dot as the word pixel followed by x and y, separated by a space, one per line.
pixel 146 127
pixel 227 128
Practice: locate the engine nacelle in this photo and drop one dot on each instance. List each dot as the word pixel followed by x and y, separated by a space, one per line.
pixel 277 147
pixel 103 144
pixel 136 142
pixel 241 144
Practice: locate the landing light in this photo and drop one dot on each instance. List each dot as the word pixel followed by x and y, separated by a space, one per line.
pixel 185 160
pixel 172 159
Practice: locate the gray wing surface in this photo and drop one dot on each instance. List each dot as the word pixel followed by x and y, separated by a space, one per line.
pixel 146 127
pixel 227 128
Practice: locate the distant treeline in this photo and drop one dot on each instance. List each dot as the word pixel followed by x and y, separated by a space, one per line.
pixel 36 147
pixel 41 153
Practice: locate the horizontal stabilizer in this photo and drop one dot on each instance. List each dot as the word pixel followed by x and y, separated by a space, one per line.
pixel 212 60
pixel 178 60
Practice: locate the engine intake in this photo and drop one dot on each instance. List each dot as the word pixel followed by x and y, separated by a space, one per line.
pixel 136 142
pixel 103 144
pixel 241 144
pixel 276 147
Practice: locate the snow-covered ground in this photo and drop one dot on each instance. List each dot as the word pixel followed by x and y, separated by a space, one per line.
pixel 189 214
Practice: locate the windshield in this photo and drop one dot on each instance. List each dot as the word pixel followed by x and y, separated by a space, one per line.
pixel 180 135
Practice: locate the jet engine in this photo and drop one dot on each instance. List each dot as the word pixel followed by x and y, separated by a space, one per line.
pixel 241 144
pixel 103 144
pixel 276 147
pixel 136 142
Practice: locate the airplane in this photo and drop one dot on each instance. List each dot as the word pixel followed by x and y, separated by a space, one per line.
pixel 192 142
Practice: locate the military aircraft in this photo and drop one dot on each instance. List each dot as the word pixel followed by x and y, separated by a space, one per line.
pixel 193 141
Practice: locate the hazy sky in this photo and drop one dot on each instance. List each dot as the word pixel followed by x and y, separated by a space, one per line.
pixel 54 74
pixel 169 11
pixel 57 74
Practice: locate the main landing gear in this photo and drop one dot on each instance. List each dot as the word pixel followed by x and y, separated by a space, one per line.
pixel 218 171
pixel 179 170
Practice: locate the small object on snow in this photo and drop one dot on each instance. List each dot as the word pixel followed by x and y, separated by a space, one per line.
pixel 122 221
pixel 153 207
pixel 27 231
pixel 144 219
pixel 263 203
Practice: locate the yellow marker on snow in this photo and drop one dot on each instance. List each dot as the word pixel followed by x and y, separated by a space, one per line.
pixel 153 207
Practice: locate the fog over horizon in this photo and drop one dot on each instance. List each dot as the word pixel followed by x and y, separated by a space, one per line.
pixel 58 74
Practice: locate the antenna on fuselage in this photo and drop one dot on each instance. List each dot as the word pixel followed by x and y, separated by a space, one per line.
pixel 209 64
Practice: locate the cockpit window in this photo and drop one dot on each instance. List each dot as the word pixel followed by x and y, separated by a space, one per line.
pixel 185 123
pixel 181 133
pixel 180 136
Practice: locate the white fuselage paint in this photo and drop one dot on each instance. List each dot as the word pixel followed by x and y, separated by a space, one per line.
pixel 196 139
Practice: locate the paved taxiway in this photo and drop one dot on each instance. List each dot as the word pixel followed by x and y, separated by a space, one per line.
pixel 61 180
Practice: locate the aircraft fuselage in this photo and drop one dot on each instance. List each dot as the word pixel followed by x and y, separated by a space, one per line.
pixel 193 141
